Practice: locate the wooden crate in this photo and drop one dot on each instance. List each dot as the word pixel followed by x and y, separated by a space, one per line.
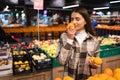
pixel 33 76
pixel 58 72
pixel 111 62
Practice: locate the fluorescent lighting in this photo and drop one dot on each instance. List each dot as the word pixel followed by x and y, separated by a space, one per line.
pixel 71 6
pixel 58 9
pixel 115 1
pixel 101 8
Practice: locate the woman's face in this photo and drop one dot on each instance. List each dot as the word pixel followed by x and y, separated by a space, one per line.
pixel 78 21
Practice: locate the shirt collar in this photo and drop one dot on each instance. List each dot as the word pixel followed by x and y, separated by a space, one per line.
pixel 81 36
pixel 82 33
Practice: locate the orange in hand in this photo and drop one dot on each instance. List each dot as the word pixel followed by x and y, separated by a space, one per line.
pixel 96 60
pixel 71 25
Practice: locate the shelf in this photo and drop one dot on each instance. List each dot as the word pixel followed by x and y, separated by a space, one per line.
pixel 105 20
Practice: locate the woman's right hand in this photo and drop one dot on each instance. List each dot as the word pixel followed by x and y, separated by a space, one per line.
pixel 71 31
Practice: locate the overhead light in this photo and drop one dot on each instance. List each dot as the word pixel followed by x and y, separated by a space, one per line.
pixel 58 9
pixel 99 8
pixel 115 1
pixel 70 6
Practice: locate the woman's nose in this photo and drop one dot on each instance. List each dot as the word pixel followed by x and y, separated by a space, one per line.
pixel 74 21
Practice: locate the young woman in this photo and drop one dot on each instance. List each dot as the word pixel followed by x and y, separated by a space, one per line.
pixel 76 45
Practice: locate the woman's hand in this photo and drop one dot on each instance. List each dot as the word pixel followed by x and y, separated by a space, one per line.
pixel 71 31
pixel 93 65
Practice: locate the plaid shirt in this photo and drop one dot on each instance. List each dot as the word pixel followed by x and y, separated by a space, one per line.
pixel 75 58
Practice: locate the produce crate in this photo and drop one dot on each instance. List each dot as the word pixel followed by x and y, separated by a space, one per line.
pixel 105 47
pixel 55 62
pixel 5 60
pixel 21 63
pixel 111 51
pixel 40 60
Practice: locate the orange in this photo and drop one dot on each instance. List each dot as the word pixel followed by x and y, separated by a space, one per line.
pixel 58 78
pixel 108 71
pixel 111 78
pixel 71 26
pixel 117 70
pixel 117 76
pixel 68 78
pixel 95 75
pixel 96 78
pixel 103 76
pixel 97 60
pixel 93 78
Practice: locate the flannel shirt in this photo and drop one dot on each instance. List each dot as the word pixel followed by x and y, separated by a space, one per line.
pixel 74 58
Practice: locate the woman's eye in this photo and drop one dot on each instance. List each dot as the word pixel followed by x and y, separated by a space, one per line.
pixel 77 19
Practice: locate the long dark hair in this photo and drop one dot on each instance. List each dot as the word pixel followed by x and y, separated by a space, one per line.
pixel 82 11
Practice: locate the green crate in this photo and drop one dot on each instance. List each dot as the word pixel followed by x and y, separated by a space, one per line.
pixel 110 52
pixel 55 63
pixel 105 47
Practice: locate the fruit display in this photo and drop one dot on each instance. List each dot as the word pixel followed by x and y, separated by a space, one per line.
pixel 5 60
pixel 39 59
pixel 64 78
pixel 108 41
pixel 107 74
pixel 21 62
pixel 19 46
pixel 49 46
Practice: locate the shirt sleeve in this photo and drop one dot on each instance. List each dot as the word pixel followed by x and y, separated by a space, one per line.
pixel 63 50
pixel 70 41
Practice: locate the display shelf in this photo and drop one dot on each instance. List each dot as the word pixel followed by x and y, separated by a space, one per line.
pixel 49 32
pixel 106 19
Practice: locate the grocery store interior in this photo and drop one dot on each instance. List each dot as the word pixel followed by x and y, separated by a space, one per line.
pixel 31 29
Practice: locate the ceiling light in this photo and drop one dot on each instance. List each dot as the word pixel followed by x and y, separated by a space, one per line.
pixel 70 6
pixel 58 9
pixel 99 8
pixel 115 1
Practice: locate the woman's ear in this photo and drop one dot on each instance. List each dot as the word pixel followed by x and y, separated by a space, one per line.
pixel 85 23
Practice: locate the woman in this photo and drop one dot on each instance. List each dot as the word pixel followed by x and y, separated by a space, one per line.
pixel 77 45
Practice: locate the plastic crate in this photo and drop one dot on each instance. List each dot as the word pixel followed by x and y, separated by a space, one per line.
pixel 40 64
pixel 105 47
pixel 22 64
pixel 110 52
pixel 55 62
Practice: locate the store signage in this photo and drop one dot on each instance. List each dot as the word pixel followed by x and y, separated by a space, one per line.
pixel 38 4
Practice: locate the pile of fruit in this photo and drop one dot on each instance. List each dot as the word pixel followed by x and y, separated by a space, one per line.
pixel 107 74
pixel 21 66
pixel 49 46
pixel 108 41
pixel 21 62
pixel 65 78
pixel 39 59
